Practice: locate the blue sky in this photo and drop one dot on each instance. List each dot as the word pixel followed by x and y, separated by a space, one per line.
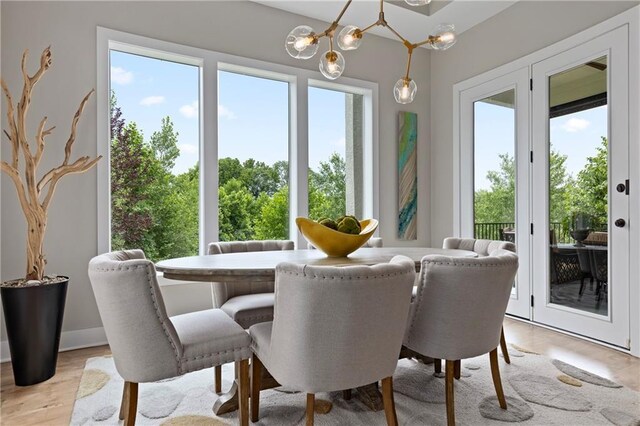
pixel 253 112
pixel 575 135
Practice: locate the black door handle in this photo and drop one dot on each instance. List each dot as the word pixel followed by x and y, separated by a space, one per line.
pixel 620 223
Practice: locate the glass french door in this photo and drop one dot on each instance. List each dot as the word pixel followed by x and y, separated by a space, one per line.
pixel 580 202
pixel 494 169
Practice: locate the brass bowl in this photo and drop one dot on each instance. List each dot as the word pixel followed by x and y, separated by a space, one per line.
pixel 334 243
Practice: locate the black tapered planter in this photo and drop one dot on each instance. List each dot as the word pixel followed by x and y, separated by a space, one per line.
pixel 33 317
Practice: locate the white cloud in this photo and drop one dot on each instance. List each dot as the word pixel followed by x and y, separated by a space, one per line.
pixel 121 76
pixel 225 112
pixel 574 125
pixel 190 110
pixel 186 148
pixel 152 100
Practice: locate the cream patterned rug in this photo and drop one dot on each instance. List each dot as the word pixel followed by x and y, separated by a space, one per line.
pixel 539 391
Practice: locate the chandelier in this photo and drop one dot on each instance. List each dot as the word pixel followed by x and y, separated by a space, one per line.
pixel 302 43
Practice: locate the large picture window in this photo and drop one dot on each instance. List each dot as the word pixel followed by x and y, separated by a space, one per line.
pixel 205 146
pixel 335 153
pixel 253 158
pixel 154 156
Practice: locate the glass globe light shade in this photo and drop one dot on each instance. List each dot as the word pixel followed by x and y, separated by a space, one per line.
pixel 417 2
pixel 349 38
pixel 332 64
pixel 301 42
pixel 405 91
pixel 445 37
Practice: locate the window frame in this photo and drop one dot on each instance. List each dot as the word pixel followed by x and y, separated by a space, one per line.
pixel 210 62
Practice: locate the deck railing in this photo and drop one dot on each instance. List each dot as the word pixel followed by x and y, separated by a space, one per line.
pixel 495 231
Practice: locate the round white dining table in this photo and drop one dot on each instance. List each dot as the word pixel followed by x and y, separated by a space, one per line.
pixel 261 265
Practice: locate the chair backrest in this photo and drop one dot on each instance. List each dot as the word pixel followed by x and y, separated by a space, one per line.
pixel 482 247
pixel 460 304
pixel 143 341
pixel 224 291
pixel 339 327
pixel 372 242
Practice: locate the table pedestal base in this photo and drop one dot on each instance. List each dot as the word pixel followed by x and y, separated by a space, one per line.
pixel 228 401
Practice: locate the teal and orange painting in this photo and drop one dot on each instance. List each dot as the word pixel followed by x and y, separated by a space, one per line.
pixel 407 175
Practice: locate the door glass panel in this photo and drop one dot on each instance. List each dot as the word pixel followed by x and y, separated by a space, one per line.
pixel 578 188
pixel 494 167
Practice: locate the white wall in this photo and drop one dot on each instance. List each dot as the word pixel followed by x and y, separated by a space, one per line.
pixel 240 28
pixel 519 30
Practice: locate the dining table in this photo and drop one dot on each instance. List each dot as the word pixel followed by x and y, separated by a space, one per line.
pixel 261 266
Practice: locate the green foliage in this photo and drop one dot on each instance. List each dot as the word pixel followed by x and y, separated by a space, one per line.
pixel 272 223
pixel 157 211
pixel 327 189
pixel 237 210
pixel 165 145
pixel 569 197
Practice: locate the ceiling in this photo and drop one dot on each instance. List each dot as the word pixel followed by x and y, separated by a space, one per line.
pixel 414 24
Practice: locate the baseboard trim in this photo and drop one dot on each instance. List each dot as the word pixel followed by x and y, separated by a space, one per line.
pixel 69 340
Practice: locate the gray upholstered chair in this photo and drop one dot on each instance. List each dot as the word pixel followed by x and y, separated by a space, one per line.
pixel 458 312
pixel 372 242
pixel 483 248
pixel 334 328
pixel 246 302
pixel 147 345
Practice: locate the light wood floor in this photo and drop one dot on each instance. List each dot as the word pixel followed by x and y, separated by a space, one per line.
pixel 51 402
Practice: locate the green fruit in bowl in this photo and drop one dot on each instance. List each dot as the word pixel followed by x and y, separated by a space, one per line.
pixel 349 225
pixel 328 223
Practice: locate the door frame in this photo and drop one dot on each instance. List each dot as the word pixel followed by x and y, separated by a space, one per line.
pixel 518 80
pixel 614 328
pixel 631 19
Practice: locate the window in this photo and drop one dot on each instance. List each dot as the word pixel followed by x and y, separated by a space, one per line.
pixel 335 153
pixel 253 158
pixel 154 156
pixel 182 175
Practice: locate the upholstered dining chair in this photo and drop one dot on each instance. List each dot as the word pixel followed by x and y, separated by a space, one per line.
pixel 147 345
pixel 246 302
pixel 483 248
pixel 334 328
pixel 458 313
pixel 373 242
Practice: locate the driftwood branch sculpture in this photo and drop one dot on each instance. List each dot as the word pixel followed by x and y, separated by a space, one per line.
pixel 35 195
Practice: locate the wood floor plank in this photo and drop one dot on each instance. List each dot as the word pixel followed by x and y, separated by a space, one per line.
pixel 51 402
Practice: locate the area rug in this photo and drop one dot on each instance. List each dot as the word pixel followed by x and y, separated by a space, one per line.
pixel 539 391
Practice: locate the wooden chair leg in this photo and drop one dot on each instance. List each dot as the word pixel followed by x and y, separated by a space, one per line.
pixel 346 394
pixel 495 374
pixel 503 347
pixel 218 379
pixel 132 404
pixel 456 369
pixel 449 373
pixel 256 384
pixel 243 391
pixel 125 399
pixel 311 402
pixel 389 403
pixel 437 365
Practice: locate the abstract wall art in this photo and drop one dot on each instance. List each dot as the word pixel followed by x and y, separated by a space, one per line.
pixel 407 175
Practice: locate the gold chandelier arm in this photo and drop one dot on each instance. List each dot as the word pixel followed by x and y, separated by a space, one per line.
pixel 396 33
pixel 430 40
pixel 330 44
pixel 406 77
pixel 381 6
pixel 344 9
pixel 375 24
